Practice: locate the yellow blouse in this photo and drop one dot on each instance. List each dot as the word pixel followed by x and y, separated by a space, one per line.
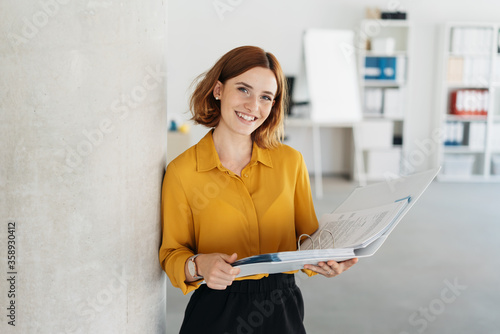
pixel 206 208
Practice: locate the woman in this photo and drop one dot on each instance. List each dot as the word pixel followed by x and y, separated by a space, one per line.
pixel 239 192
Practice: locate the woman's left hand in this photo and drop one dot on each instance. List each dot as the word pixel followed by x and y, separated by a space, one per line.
pixel 331 268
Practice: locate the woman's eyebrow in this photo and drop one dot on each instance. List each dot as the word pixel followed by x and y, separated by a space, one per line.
pixel 250 87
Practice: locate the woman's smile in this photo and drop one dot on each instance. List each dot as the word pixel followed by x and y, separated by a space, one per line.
pixel 246 117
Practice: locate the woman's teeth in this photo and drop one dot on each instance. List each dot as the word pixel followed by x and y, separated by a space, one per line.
pixel 245 117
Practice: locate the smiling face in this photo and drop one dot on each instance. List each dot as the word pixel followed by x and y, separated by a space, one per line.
pixel 246 100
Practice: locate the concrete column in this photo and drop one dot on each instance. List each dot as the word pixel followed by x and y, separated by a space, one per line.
pixel 83 138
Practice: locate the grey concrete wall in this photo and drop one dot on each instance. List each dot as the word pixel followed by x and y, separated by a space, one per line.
pixel 82 149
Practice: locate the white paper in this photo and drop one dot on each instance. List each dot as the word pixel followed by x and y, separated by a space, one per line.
pixel 354 229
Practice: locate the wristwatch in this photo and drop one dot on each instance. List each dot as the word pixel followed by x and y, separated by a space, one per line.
pixel 192 267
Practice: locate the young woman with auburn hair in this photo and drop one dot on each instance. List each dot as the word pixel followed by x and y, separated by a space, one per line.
pixel 238 192
pixel 206 109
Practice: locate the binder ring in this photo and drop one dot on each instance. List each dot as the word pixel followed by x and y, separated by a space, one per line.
pixel 319 238
pixel 300 238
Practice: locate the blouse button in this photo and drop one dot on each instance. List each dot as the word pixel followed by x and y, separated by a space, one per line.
pixel 246 175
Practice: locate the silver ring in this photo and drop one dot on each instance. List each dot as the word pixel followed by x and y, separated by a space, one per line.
pixel 329 272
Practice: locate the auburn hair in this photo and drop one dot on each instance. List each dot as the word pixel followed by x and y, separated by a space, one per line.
pixel 206 109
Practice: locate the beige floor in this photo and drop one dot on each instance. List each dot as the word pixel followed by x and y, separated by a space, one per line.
pixel 439 272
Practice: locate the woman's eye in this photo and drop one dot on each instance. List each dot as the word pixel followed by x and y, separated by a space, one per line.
pixel 243 89
pixel 267 98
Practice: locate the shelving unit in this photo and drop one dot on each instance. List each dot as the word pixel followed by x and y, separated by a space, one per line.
pixel 383 54
pixel 469 102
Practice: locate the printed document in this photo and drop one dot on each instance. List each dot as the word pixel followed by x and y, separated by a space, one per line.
pixel 354 229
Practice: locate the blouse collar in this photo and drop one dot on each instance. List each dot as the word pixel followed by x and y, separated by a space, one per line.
pixel 207 157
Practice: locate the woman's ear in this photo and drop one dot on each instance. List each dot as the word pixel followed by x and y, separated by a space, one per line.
pixel 217 90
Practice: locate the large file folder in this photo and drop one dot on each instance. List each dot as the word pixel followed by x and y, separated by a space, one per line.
pixel 375 210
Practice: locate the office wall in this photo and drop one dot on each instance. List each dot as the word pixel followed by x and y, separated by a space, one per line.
pixel 201 31
pixel 83 127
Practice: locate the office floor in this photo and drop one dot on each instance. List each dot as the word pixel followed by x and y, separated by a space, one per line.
pixel 438 273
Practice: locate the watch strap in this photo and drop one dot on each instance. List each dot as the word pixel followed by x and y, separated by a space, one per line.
pixel 192 258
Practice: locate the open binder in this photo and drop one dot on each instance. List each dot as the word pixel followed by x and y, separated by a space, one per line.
pixel 357 228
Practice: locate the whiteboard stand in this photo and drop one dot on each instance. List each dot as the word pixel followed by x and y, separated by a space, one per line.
pixel 332 80
pixel 318 170
pixel 359 160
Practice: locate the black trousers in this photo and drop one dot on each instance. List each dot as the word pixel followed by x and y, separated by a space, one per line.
pixel 272 304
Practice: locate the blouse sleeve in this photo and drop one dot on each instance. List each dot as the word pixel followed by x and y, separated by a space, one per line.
pixel 305 216
pixel 178 239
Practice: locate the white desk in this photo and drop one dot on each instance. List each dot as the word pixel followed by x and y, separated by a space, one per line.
pixel 315 127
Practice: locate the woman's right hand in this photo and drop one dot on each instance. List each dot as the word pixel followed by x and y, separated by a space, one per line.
pixel 216 269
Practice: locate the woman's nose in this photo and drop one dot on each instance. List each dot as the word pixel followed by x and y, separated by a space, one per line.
pixel 252 104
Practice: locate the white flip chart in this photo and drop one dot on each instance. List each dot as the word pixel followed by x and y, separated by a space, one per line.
pixel 332 77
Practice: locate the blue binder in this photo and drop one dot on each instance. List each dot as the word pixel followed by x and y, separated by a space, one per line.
pixel 380 68
pixel 372 68
pixel 387 68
